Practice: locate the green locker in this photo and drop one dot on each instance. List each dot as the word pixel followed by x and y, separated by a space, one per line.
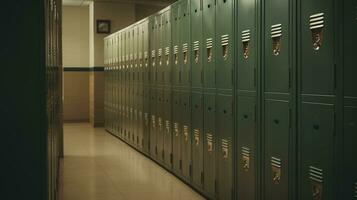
pixel 131 86
pixel 246 120
pixel 160 43
pixel 277 140
pixel 135 86
pixel 279 102
pixel 146 116
pixel 122 84
pixel 317 36
pixel 224 43
pixel 185 98
pixel 175 40
pixel 197 139
pixel 167 127
pixel 167 48
pixel 248 48
pixel 146 82
pixel 317 138
pixel 176 132
pixel 116 92
pixel 160 125
pixel 210 145
pixel 126 92
pixel 209 41
pixel 224 121
pixel 153 122
pixel 196 43
pixel 185 42
pixel 349 180
pixel 317 100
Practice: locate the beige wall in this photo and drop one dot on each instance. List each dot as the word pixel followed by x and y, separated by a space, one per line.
pixel 75 36
pixel 75 54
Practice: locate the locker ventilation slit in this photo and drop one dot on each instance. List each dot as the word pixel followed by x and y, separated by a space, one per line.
pixel 176 129
pixel 316 27
pixel 225 148
pixel 245 41
pixel 196 48
pixel 276 33
pixel 276 169
pixel 185 52
pixel 225 43
pixel 209 138
pixel 316 174
pixel 196 133
pixel 209 45
pixel 246 158
pixel 355 194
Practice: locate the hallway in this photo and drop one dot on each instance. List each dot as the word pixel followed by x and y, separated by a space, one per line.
pixel 98 166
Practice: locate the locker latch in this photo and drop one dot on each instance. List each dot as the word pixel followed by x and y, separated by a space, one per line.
pixel 196 47
pixel 316 191
pixel 185 53
pixel 185 132
pixel 316 27
pixel 246 41
pixel 225 146
pixel 225 43
pixel 209 142
pixel 246 158
pixel 197 136
pixel 209 44
pixel 276 33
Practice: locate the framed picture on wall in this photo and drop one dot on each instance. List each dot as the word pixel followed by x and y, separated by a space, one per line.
pixel 103 26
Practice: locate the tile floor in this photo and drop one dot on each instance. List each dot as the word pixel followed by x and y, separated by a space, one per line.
pixel 98 166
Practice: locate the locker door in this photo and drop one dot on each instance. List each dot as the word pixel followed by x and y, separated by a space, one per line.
pixel 184 15
pixel 127 85
pixel 186 134
pixel 317 43
pixel 159 47
pixel 196 42
pixel 277 140
pixel 225 145
pixel 210 144
pixel 176 141
pixel 160 124
pixel 277 46
pixel 197 139
pixel 167 128
pixel 167 60
pixel 175 45
pixel 224 43
pixel 247 45
pixel 153 123
pixel 349 41
pixel 246 147
pixel 349 152
pixel 209 42
pixel 317 136
pixel 147 123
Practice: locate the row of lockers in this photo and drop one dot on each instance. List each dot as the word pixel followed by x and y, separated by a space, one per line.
pixel 241 99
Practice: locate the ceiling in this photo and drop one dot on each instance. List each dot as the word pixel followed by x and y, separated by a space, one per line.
pixel 148 2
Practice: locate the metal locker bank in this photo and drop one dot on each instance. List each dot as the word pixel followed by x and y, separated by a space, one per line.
pixel 241 99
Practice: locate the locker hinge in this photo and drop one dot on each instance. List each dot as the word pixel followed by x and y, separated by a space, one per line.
pixel 255 113
pixel 290 118
pixel 215 186
pixel 215 2
pixel 215 76
pixel 171 158
pixel 255 77
pixel 202 178
pixel 334 123
pixel 335 76
pixel 289 70
pixel 190 170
